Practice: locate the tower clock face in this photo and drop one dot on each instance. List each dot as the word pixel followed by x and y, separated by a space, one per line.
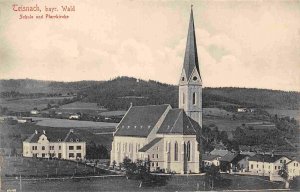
pixel 195 78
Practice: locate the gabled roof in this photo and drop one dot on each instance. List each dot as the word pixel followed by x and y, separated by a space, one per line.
pixel 266 158
pixel 228 157
pixel 54 136
pixel 209 157
pixel 292 161
pixel 177 122
pixel 149 145
pixel 220 152
pixel 72 137
pixel 191 56
pixel 140 120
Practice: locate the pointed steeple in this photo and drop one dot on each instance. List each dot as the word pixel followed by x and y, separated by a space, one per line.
pixel 191 56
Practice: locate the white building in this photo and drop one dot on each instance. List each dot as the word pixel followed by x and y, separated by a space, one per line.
pixel 166 136
pixel 74 116
pixel 45 145
pixel 34 112
pixel 293 168
pixel 267 165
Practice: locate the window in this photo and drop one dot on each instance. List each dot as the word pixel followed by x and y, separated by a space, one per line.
pixel 280 161
pixel 195 78
pixel 176 151
pixel 43 148
pixel 156 164
pixel 188 151
pixel 194 98
pixel 182 78
pixel 59 147
pixel 118 146
pixel 251 166
pixel 278 167
pixel 43 154
pixel 183 98
pixel 71 155
pixel 157 156
pixel 78 155
pixel 275 167
pixel 152 164
pixel 78 147
pixel 59 155
pixel 257 166
pixel 51 147
pixel 71 147
pixel 153 156
pixel 33 147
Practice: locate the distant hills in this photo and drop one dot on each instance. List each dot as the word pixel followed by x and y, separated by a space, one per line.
pixel 120 92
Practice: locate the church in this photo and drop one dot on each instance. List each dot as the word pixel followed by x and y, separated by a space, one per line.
pixel 166 136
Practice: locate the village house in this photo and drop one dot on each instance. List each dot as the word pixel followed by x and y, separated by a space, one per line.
pixel 293 168
pixel 165 136
pixel 267 164
pixel 45 145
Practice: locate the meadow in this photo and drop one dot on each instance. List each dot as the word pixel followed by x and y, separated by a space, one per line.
pixel 28 104
pixel 285 112
pixel 81 107
pixel 38 167
pixel 51 122
pixel 175 183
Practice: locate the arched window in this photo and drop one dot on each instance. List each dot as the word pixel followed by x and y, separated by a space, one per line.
pixel 194 98
pixel 188 151
pixel 183 98
pixel 176 151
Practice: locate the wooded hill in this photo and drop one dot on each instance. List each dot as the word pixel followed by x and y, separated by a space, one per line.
pixel 120 92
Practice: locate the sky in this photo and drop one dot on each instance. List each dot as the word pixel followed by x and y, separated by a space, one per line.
pixel 253 44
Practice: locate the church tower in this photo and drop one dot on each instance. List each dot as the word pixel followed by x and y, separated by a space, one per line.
pixel 190 83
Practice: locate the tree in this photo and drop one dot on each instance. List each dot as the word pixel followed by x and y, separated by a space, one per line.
pixel 283 172
pixel 212 175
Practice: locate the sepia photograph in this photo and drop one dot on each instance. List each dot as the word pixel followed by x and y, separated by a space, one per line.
pixel 149 95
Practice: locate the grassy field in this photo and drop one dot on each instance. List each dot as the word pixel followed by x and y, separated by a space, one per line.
pixel 32 167
pixel 285 112
pixel 21 105
pixel 51 122
pixel 81 107
pixel 216 112
pixel 176 183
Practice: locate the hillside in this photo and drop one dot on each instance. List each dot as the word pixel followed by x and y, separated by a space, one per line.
pixel 120 92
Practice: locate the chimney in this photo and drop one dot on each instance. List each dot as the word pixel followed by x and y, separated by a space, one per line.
pixel 44 132
pixel 36 132
pixel 130 104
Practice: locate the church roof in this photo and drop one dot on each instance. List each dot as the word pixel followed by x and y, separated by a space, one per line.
pixel 191 56
pixel 140 120
pixel 149 145
pixel 177 122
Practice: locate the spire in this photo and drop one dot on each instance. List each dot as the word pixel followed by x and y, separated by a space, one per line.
pixel 191 56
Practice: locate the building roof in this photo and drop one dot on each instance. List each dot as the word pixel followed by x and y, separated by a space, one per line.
pixel 149 145
pixel 191 56
pixel 209 157
pixel 220 152
pixel 177 122
pixel 292 161
pixel 140 120
pixel 228 157
pixel 265 158
pixel 55 136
